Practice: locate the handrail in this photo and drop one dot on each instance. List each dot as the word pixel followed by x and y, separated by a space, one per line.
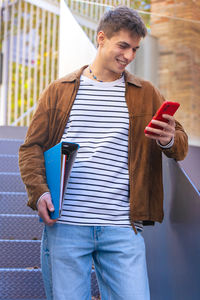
pixel 24 115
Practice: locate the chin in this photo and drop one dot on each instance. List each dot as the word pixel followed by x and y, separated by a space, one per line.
pixel 119 70
pixel 116 70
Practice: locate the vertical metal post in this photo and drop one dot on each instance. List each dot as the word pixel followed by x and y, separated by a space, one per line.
pixel 35 86
pixel 23 62
pixel 48 30
pixel 4 85
pixel 17 59
pixel 53 47
pixel 30 41
pixel 42 50
pixel 10 40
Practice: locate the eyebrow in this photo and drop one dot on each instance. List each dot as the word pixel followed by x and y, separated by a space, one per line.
pixel 127 45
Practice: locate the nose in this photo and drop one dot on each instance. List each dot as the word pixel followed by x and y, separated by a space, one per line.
pixel 129 55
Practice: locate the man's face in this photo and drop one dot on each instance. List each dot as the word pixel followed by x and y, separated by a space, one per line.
pixel 118 51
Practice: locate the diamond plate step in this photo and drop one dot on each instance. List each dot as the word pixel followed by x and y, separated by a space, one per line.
pixel 9 163
pixel 21 284
pixel 20 227
pixel 11 182
pixel 12 203
pixel 19 254
pixel 10 146
pixel 13 132
pixel 25 284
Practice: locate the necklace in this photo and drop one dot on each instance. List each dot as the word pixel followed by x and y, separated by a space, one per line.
pixel 95 77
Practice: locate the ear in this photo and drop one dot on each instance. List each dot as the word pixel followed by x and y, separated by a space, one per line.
pixel 101 38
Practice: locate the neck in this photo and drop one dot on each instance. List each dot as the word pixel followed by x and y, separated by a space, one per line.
pixel 97 72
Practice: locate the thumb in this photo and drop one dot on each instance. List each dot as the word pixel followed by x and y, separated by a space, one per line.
pixel 50 205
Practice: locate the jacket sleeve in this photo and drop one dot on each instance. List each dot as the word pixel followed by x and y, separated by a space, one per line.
pixel 31 158
pixel 179 149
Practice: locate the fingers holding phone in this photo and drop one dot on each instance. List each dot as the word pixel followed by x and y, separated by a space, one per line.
pixel 163 131
pixel 162 126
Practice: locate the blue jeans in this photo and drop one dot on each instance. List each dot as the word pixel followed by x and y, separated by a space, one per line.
pixel 117 252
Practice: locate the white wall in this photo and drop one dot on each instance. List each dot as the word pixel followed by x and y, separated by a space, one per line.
pixel 75 48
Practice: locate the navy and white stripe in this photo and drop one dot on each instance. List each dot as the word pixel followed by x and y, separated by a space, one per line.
pixel 98 189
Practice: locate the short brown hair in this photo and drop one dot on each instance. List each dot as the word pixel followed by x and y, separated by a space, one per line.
pixel 120 18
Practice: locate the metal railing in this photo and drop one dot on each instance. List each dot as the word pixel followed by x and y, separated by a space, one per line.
pixel 88 12
pixel 29 48
pixel 93 10
pixel 29 44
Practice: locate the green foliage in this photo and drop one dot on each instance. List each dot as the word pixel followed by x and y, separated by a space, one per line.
pixel 143 6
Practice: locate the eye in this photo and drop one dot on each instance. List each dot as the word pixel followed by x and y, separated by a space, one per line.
pixel 135 50
pixel 122 46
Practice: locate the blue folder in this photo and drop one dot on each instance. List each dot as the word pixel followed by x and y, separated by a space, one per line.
pixel 53 166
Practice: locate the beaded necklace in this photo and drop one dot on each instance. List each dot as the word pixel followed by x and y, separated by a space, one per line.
pixel 95 77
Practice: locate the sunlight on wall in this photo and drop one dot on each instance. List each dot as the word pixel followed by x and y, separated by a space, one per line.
pixel 75 48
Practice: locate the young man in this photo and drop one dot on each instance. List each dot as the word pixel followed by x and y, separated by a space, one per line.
pixel 116 183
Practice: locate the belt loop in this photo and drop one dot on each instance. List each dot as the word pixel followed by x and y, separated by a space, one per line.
pixel 134 228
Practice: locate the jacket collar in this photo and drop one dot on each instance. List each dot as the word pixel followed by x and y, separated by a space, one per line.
pixel 130 78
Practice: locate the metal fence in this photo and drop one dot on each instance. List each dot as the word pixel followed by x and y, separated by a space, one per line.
pixel 29 47
pixel 88 12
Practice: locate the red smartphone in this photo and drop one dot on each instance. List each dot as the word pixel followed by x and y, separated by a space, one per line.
pixel 169 108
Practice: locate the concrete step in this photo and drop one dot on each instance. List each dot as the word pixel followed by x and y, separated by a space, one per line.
pixel 12 203
pixel 21 284
pixel 10 146
pixel 11 182
pixel 19 254
pixel 9 163
pixel 20 227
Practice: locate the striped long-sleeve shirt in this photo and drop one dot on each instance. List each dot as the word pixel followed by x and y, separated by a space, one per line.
pixel 98 189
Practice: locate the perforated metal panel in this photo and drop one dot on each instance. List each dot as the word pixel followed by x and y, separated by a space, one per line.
pixel 20 234
pixel 21 283
pixel 12 203
pixel 9 146
pixel 11 182
pixel 20 227
pixel 9 163
pixel 19 254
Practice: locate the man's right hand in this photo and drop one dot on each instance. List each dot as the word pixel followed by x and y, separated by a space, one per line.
pixel 44 206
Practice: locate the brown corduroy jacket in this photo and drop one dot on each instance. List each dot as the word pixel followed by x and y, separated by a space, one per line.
pixel 144 155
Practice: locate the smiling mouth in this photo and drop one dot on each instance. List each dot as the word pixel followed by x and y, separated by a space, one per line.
pixel 123 63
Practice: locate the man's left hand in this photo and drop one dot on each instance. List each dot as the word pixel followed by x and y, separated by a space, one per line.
pixel 166 133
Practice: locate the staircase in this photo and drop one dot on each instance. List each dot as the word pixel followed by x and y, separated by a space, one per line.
pixel 20 229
